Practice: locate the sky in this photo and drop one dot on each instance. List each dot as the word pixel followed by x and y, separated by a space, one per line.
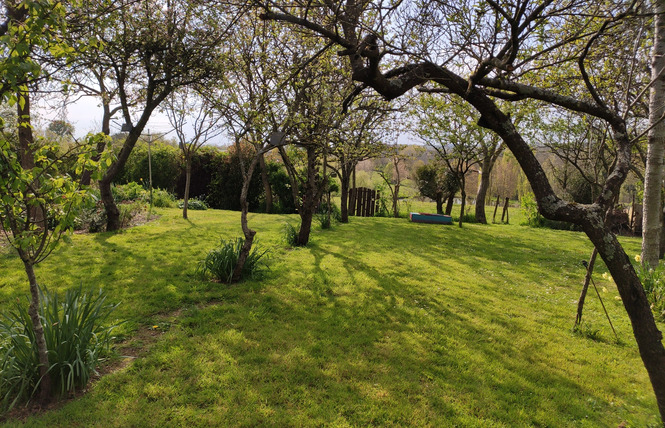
pixel 86 116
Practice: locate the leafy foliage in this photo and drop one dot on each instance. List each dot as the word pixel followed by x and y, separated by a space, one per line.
pixel 47 188
pixel 220 263
pixel 166 166
pixel 324 219
pixel 77 336
pixel 653 281
pixel 194 204
pixel 290 234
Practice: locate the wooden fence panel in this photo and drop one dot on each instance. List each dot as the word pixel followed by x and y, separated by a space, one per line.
pixel 363 202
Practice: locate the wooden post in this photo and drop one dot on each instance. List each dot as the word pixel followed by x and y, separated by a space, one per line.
pixel 372 202
pixel 505 212
pixel 496 208
pixel 359 201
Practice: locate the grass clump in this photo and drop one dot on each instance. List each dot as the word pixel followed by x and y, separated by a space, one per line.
pixel 290 234
pixel 220 263
pixel 326 220
pixel 77 336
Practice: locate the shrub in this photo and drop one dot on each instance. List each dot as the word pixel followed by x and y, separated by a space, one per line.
pixel 220 262
pixel 193 204
pixel 162 199
pixel 77 336
pixel 166 165
pixel 290 234
pixel 129 192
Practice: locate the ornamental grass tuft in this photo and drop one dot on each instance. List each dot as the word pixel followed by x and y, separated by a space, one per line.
pixel 77 337
pixel 220 262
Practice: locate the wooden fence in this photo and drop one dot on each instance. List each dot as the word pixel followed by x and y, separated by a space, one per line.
pixel 363 202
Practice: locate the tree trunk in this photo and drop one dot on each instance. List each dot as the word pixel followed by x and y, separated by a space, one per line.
pixel 653 177
pixel 309 199
pixel 482 191
pixel 266 183
pixel 112 211
pixel 449 203
pixel 38 329
pixel 344 193
pixel 395 201
pixel 647 335
pixel 188 180
pixel 439 203
pixel 25 138
pixel 247 232
pixel 352 201
pixel 661 253
pixel 461 210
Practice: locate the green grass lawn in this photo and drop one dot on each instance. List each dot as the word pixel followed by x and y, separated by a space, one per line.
pixel 378 322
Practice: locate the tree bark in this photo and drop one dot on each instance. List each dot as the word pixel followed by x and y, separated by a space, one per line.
pixel 482 191
pixel 266 183
pixel 653 177
pixel 38 329
pixel 354 187
pixel 312 194
pixel 461 210
pixel 439 203
pixel 344 192
pixel 25 138
pixel 188 180
pixel 450 203
pixel 247 232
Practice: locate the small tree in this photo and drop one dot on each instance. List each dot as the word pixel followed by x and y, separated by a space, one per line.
pixel 184 108
pixel 37 206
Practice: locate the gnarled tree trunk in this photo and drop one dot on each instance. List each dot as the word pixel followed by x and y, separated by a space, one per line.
pixel 309 199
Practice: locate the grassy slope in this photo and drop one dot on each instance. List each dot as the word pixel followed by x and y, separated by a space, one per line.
pixel 378 322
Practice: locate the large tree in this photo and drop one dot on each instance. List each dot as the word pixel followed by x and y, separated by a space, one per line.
pixel 547 51
pixel 147 50
pixel 654 174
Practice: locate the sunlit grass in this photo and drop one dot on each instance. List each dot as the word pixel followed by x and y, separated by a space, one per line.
pixel 377 322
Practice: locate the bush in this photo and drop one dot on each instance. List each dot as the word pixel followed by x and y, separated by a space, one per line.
pixel 166 166
pixel 162 199
pixel 129 192
pixel 76 338
pixel 220 263
pixel 290 234
pixel 193 204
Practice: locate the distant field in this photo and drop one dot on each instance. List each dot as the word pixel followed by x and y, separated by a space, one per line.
pixel 378 322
